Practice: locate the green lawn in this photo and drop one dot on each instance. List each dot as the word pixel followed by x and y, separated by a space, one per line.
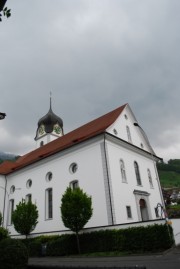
pixel 169 179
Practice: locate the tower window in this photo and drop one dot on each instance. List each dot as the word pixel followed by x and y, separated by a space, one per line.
pixel 41 143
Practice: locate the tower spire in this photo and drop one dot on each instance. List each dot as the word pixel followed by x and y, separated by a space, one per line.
pixel 50 100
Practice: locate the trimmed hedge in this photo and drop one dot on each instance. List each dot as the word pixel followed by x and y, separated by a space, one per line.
pixel 64 245
pixel 136 239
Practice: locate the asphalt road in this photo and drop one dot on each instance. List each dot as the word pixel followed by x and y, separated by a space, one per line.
pixel 167 260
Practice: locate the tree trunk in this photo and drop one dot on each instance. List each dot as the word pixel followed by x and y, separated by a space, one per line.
pixel 78 244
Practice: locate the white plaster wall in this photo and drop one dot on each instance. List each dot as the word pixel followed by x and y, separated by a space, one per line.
pixel 2 192
pixel 136 133
pixel 89 175
pixel 45 139
pixel 123 192
pixel 176 230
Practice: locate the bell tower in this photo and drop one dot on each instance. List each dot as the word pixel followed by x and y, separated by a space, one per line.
pixel 49 128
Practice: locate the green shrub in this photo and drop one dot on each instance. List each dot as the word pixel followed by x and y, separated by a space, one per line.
pixel 13 254
pixel 3 233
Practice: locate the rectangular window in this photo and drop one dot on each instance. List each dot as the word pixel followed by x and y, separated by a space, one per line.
pixel 11 209
pixel 128 210
pixel 156 212
pixel 28 198
pixel 49 204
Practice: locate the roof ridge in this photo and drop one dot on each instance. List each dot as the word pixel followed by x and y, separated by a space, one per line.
pixel 86 131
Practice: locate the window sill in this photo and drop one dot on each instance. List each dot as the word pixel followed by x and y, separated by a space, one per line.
pixel 49 219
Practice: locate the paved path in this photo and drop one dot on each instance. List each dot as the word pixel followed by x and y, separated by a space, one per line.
pixel 167 260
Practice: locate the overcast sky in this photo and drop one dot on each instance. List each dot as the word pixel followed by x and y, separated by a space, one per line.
pixel 94 55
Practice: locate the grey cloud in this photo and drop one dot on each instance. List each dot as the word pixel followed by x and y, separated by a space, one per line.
pixel 94 56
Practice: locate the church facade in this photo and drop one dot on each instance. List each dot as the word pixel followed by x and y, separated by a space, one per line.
pixel 110 158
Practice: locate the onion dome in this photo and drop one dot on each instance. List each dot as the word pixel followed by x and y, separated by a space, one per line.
pixel 49 124
pixel 49 120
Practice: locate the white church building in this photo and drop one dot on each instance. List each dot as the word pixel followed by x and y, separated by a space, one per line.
pixel 110 158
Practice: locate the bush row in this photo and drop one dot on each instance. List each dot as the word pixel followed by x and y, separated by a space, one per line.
pixel 136 239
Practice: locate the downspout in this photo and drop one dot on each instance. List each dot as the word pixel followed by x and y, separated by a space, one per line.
pixel 109 190
pixel 4 200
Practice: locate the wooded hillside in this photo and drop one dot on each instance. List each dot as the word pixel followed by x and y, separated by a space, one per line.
pixel 169 173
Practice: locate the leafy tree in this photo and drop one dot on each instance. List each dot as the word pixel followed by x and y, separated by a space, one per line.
pixel 6 12
pixel 76 210
pixel 1 218
pixel 25 217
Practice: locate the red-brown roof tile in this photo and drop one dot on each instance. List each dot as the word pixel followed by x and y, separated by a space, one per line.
pixel 80 134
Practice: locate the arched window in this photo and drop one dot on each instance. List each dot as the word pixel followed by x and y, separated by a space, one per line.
pixel 150 178
pixel 74 184
pixel 123 171
pixel 138 178
pixel 128 134
pixel 11 209
pixel 28 198
pixel 49 203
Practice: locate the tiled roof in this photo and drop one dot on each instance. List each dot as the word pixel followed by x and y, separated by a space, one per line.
pixel 80 134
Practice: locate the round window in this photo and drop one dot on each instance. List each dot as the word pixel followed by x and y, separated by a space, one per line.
pixel 29 183
pixel 73 168
pixel 12 189
pixel 49 176
pixel 142 146
pixel 115 131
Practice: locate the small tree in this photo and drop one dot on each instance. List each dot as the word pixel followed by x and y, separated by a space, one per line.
pixel 25 217
pixel 76 210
